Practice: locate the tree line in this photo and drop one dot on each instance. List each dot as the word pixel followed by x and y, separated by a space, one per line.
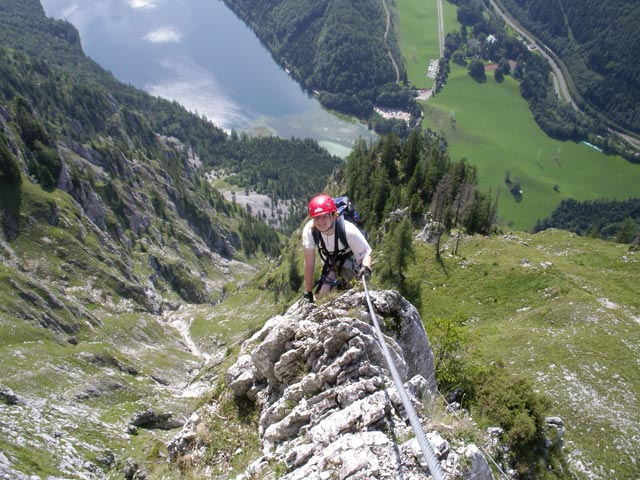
pixel 598 43
pixel 398 185
pixel 616 220
pixel 417 174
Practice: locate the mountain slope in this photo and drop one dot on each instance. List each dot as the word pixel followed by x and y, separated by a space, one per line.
pixel 119 267
pixel 343 52
pixel 112 243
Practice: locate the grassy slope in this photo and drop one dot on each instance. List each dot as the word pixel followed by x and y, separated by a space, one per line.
pixel 419 39
pixel 500 139
pixel 77 397
pixel 51 377
pixel 571 324
pixel 565 311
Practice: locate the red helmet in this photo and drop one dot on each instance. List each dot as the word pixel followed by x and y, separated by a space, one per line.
pixel 321 204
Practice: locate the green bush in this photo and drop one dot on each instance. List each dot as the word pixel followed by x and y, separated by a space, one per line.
pixel 45 165
pixel 509 401
pixel 10 191
pixel 449 342
pixel 497 397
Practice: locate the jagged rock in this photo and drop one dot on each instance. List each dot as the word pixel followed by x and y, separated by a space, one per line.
pixel 133 471
pixel 150 420
pixel 186 441
pixel 106 360
pixel 98 388
pixel 107 459
pixel 7 396
pixel 431 231
pixel 454 396
pixel 479 464
pixel 4 113
pixel 83 193
pixel 328 405
pixel 556 424
pixel 45 303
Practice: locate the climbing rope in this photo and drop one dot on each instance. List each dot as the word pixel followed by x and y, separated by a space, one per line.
pixel 427 451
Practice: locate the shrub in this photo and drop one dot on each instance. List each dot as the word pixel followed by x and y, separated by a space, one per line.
pixel 10 191
pixel 449 342
pixel 510 402
pixel 45 165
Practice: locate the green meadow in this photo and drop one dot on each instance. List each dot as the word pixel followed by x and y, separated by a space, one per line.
pixel 418 35
pixel 490 125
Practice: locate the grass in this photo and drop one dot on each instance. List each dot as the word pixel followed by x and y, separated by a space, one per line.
pixel 47 373
pixel 229 322
pixel 491 126
pixel 418 36
pixel 79 388
pixel 562 310
pixel 498 139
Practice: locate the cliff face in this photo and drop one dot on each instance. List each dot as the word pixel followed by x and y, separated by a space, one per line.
pixel 328 407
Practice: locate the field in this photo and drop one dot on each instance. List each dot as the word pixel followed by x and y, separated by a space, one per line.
pixel 418 39
pixel 491 126
pixel 418 35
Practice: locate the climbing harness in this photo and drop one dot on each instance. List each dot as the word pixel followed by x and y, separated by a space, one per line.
pixel 427 451
pixel 335 260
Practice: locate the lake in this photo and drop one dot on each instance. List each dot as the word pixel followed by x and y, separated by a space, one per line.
pixel 198 53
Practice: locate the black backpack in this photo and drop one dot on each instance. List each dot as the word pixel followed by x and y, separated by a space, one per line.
pixel 335 260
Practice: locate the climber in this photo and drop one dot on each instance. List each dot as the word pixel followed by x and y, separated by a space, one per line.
pixel 342 246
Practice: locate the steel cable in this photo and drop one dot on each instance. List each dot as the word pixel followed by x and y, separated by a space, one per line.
pixel 427 451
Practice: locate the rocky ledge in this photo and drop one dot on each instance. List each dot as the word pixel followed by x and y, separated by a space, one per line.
pixel 328 405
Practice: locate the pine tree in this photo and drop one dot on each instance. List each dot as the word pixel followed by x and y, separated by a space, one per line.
pixel 397 252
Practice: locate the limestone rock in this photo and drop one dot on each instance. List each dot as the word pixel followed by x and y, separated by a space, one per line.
pixel 150 420
pixel 328 406
pixel 8 396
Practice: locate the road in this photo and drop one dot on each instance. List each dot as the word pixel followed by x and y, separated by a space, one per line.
pixel 559 80
pixel 440 28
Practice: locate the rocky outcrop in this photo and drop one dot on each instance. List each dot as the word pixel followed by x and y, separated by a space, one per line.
pixel 151 420
pixel 328 405
pixel 7 396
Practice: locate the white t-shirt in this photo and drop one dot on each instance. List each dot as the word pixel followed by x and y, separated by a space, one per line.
pixel 357 243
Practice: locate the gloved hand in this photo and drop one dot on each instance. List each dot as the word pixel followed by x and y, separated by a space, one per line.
pixel 364 272
pixel 308 296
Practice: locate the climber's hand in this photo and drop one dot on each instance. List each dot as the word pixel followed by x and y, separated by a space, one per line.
pixel 364 272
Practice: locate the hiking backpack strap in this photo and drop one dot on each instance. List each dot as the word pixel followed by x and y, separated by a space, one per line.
pixel 340 234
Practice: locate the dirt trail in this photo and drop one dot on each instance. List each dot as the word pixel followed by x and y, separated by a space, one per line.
pixel 386 33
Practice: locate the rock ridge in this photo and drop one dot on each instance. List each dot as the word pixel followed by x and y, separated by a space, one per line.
pixel 328 407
